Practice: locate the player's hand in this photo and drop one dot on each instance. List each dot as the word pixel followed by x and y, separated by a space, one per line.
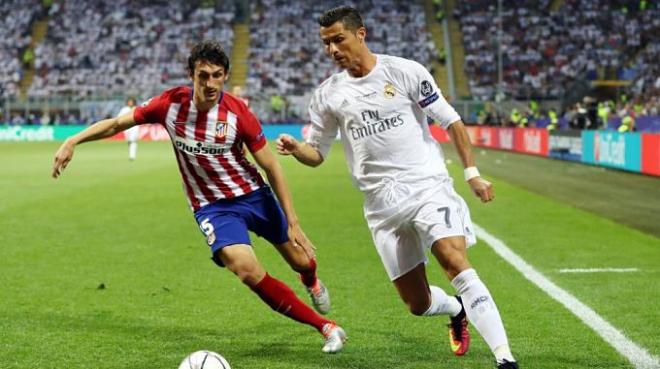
pixel 482 188
pixel 299 239
pixel 62 158
pixel 286 144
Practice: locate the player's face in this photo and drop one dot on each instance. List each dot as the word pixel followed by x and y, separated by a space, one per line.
pixel 208 80
pixel 343 45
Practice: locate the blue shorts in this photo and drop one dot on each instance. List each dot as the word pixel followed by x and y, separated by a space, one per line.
pixel 227 222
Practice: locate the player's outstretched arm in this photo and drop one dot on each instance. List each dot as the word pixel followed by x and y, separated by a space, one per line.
pixel 481 187
pixel 268 162
pixel 288 145
pixel 97 131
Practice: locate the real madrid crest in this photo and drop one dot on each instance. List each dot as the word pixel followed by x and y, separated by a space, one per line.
pixel 221 129
pixel 389 90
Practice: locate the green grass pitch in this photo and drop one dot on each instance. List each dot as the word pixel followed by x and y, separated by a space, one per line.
pixel 126 226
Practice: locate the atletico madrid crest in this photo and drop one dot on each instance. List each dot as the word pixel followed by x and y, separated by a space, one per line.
pixel 221 129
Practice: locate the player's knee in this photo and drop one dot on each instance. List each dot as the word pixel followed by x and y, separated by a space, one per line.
pixel 451 256
pixel 248 273
pixel 301 265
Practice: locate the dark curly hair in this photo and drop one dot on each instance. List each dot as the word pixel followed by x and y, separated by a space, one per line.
pixel 210 51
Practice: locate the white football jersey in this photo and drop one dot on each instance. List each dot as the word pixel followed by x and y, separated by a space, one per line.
pixel 382 121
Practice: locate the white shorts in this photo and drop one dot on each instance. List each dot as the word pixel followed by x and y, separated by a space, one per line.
pixel 132 134
pixel 402 239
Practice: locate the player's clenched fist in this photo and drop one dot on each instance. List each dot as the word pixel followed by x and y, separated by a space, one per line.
pixel 482 188
pixel 62 158
pixel 286 144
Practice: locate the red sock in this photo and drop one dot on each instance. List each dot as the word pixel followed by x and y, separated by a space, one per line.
pixel 284 301
pixel 308 277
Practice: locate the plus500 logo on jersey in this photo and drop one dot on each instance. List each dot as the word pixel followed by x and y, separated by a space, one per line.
pixel 199 148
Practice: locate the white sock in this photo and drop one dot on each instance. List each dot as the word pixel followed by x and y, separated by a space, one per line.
pixel 482 312
pixel 132 150
pixel 442 304
pixel 503 352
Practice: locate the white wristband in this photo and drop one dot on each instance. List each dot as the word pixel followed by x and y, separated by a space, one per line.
pixel 470 172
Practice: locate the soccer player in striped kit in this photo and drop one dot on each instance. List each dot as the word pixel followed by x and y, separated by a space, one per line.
pixel 208 128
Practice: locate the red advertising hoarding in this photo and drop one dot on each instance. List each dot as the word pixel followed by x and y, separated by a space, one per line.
pixel 438 133
pixel 651 154
pixel 525 140
pixel 531 141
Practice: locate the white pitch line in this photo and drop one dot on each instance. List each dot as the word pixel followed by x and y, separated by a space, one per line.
pixel 637 355
pixel 599 270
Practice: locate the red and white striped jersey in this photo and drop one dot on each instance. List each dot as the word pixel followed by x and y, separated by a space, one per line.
pixel 208 144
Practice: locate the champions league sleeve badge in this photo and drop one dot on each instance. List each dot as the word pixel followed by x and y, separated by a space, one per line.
pixel 430 96
pixel 426 89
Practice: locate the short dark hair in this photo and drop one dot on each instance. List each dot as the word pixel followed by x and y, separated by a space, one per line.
pixel 348 15
pixel 210 51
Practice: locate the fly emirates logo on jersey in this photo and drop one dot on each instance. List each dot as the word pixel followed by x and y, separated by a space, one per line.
pixel 373 124
pixel 200 148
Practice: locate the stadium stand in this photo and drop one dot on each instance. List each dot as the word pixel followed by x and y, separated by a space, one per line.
pixel 123 47
pixel 289 60
pixel 543 51
pixel 106 50
pixel 17 16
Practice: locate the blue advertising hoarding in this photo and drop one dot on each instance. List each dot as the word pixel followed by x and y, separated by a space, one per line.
pixel 612 149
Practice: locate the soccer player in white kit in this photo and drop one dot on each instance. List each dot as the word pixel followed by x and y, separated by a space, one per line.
pixel 379 104
pixel 132 134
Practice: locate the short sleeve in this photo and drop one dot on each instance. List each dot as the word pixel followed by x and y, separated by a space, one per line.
pixel 250 131
pixel 323 129
pixel 422 89
pixel 153 110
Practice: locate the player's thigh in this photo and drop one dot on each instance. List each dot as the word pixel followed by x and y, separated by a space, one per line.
pixel 241 260
pixel 271 224
pixel 451 254
pixel 399 248
pixel 222 228
pixel 443 215
pixel 267 219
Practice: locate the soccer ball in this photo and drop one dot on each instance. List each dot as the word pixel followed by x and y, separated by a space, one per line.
pixel 204 360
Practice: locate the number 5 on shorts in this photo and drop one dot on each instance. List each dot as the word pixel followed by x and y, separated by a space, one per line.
pixel 208 230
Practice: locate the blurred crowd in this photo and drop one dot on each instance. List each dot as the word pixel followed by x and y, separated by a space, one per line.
pixel 105 48
pixel 17 18
pixel 122 46
pixel 289 60
pixel 544 51
pixel 588 113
